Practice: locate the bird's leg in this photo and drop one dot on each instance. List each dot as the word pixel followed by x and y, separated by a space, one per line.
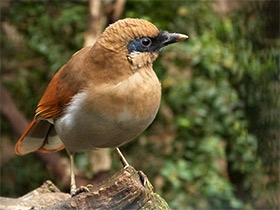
pixel 122 158
pixel 72 174
pixel 73 188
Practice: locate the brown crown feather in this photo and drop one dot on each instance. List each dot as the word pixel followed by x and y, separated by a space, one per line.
pixel 117 35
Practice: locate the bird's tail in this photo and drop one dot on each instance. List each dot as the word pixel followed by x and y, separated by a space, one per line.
pixel 39 136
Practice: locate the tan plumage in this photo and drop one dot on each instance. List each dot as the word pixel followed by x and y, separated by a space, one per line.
pixel 105 96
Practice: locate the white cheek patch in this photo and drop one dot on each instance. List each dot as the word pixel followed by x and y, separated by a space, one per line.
pixel 133 53
pixel 139 60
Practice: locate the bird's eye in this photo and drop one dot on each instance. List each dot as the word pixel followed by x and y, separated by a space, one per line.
pixel 146 42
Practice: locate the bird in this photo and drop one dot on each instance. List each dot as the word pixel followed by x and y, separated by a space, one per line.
pixel 104 96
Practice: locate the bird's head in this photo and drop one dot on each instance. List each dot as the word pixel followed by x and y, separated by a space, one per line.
pixel 137 39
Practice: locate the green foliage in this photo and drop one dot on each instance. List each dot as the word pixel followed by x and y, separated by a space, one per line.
pixel 202 151
pixel 57 34
pixel 19 181
pixel 48 41
pixel 206 91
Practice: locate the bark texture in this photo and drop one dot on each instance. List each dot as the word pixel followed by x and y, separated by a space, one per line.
pixel 128 189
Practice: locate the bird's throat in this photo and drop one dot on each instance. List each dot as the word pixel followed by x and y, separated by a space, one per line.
pixel 141 60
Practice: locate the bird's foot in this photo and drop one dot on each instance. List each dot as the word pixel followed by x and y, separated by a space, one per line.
pixel 73 189
pixel 81 190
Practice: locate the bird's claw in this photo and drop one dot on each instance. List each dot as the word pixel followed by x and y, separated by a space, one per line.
pixel 82 189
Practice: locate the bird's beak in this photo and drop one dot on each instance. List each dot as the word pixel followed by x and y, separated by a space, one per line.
pixel 171 38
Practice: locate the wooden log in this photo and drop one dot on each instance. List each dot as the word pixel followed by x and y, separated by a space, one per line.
pixel 127 189
pixel 46 195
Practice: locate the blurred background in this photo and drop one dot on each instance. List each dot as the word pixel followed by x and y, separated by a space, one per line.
pixel 215 142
